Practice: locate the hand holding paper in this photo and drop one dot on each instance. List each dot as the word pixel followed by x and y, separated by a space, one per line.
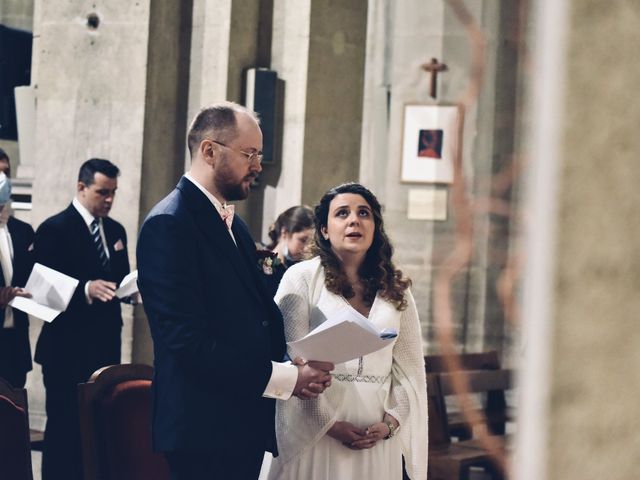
pixel 128 285
pixel 51 292
pixel 9 293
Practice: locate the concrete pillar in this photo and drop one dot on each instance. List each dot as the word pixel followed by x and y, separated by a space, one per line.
pixel 580 416
pixel 318 49
pixel 228 37
pixel 16 14
pixel 111 82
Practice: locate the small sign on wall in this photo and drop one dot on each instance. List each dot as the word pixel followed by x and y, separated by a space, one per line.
pixel 427 204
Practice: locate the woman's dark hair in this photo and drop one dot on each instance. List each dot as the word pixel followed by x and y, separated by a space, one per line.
pixel 377 271
pixel 292 220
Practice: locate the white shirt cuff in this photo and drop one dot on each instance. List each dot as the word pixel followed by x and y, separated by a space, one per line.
pixel 282 382
pixel 86 293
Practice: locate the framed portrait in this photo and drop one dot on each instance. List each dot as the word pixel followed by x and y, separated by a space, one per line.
pixel 429 143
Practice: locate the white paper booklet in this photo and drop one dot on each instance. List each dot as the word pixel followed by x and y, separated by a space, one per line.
pixel 50 290
pixel 343 337
pixel 128 285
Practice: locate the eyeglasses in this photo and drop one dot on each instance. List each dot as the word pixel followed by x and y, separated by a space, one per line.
pixel 251 157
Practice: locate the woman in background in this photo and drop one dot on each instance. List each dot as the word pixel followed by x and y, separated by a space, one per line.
pixel 290 235
pixel 376 408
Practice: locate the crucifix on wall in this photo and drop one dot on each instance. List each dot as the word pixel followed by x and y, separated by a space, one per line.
pixel 434 67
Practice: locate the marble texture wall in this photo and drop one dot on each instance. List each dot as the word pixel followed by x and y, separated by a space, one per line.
pixel 593 409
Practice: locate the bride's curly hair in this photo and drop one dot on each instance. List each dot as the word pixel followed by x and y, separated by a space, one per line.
pixel 377 272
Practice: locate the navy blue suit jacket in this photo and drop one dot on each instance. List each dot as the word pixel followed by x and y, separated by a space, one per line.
pixel 84 337
pixel 15 352
pixel 215 329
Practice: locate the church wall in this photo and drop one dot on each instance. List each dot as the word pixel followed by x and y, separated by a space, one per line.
pixel 402 36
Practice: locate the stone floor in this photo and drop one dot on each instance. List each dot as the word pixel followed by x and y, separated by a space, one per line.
pixel 36 459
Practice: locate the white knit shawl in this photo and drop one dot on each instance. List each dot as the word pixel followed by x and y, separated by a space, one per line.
pixel 301 423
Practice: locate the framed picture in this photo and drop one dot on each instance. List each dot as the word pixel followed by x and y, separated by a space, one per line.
pixel 429 143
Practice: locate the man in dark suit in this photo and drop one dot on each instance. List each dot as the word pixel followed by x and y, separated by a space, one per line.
pixel 218 336
pixel 84 243
pixel 16 262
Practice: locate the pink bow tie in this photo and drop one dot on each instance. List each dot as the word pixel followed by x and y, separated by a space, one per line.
pixel 226 212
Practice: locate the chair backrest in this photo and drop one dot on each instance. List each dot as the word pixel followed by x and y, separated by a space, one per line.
pixel 470 361
pixel 115 424
pixel 439 436
pixel 15 447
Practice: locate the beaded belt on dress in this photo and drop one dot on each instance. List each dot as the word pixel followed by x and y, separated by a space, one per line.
pixel 347 377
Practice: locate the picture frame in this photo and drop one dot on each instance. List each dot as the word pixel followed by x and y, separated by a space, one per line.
pixel 429 143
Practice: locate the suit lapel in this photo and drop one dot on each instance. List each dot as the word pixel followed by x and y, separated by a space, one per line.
pixel 85 240
pixel 84 236
pixel 215 231
pixel 245 243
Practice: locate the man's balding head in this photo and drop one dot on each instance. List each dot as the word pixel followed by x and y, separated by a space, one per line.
pixel 217 122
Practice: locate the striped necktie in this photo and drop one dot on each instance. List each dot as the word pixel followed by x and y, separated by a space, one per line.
pixel 97 241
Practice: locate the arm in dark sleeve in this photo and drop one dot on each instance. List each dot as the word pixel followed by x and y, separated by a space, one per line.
pixel 53 249
pixel 167 265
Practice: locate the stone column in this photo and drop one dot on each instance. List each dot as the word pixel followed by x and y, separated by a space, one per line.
pixel 17 14
pixel 580 414
pixel 226 40
pixel 318 49
pixel 111 79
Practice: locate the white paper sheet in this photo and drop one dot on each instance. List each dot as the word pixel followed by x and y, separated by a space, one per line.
pixel 50 290
pixel 128 285
pixel 343 337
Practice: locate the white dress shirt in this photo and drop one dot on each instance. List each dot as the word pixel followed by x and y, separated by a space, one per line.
pixel 88 219
pixel 6 261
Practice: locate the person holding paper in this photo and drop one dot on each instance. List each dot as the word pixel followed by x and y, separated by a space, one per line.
pixel 16 261
pixel 84 243
pixel 376 410
pixel 217 334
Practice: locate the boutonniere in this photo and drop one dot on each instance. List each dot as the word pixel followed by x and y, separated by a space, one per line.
pixel 267 261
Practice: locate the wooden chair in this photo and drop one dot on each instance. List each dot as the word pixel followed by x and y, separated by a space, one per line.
pixel 447 460
pixel 485 382
pixel 15 448
pixel 115 425
pixel 495 405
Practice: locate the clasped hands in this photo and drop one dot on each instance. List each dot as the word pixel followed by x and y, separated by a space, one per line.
pixel 358 438
pixel 313 378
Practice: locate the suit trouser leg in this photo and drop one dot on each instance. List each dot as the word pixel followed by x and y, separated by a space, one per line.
pixel 61 454
pixel 9 358
pixel 214 466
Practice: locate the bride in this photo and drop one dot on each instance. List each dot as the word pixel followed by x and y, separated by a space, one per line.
pixel 376 409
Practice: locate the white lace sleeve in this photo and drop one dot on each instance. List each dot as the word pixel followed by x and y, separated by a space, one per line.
pixel 407 401
pixel 301 423
pixel 407 351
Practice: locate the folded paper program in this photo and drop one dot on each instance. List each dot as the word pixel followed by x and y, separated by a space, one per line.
pixel 50 290
pixel 343 337
pixel 128 286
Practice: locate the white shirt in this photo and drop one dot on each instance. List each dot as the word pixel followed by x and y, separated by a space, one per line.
pixel 6 260
pixel 88 219
pixel 284 375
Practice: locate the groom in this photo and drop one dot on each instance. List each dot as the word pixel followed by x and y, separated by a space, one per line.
pixel 218 336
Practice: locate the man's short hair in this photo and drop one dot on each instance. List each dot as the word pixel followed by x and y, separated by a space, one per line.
pixel 218 121
pixel 3 155
pixel 92 166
